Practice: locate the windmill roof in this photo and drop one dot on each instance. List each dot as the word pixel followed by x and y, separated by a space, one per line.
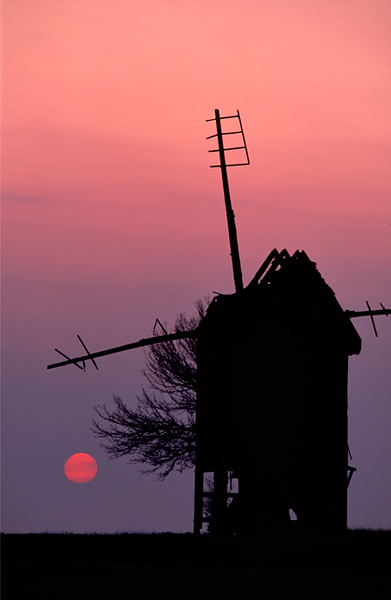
pixel 286 290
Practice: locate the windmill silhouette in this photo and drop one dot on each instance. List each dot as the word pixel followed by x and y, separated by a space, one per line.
pixel 272 368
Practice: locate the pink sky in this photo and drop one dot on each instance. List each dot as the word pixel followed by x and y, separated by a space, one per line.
pixel 111 215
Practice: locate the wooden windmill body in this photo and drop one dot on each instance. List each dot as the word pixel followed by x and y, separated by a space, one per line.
pixel 272 403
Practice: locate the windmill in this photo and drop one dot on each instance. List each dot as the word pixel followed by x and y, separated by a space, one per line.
pixel 272 366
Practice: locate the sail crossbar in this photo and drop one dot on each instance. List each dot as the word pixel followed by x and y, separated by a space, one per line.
pixel 157 339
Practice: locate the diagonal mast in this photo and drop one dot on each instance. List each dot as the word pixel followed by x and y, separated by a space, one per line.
pixel 233 237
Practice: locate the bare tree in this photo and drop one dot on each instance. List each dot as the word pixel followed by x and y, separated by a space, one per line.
pixel 160 431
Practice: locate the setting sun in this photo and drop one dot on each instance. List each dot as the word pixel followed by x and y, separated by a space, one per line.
pixel 80 468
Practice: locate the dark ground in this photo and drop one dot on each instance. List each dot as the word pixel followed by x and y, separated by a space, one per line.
pixel 62 566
